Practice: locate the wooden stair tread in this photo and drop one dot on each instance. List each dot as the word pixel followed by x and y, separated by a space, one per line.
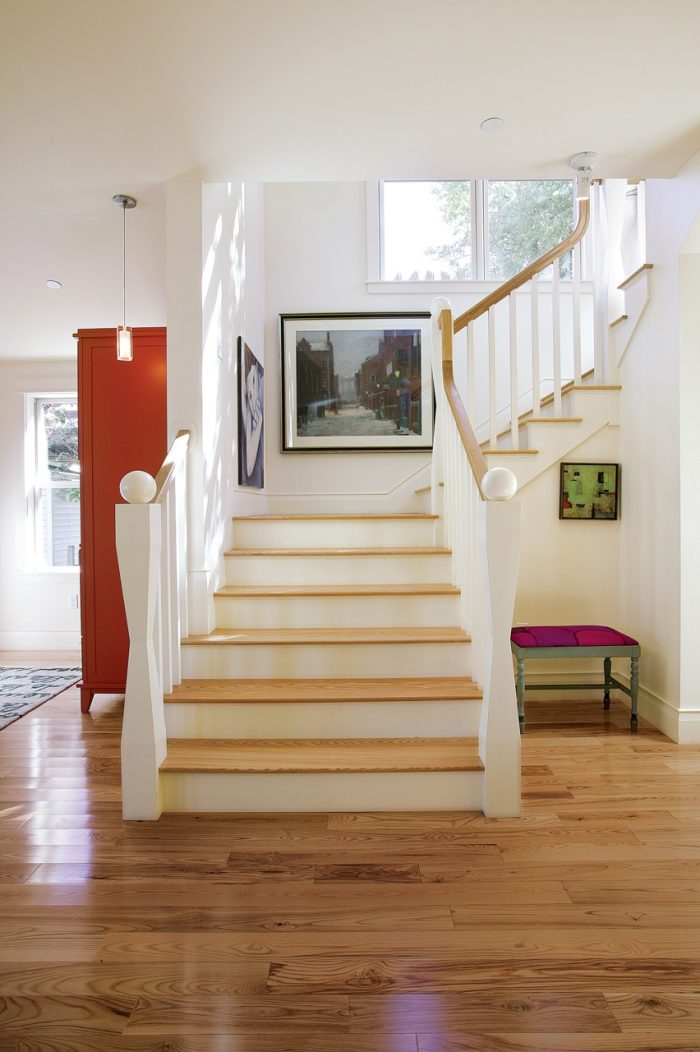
pixel 262 636
pixel 344 590
pixel 311 755
pixel 417 688
pixel 549 420
pixel 424 550
pixel 354 516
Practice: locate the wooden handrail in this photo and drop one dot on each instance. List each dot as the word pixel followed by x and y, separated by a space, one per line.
pixel 476 458
pixel 529 272
pixel 173 459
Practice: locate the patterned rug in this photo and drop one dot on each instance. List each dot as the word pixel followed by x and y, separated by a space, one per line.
pixel 24 689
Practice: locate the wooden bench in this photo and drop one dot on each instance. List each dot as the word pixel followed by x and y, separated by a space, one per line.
pixel 576 641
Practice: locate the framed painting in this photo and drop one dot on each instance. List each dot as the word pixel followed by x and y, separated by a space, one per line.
pixel 251 418
pixel 589 491
pixel 356 382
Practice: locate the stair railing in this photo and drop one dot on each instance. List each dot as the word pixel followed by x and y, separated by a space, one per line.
pixel 151 533
pixel 501 328
pixel 482 525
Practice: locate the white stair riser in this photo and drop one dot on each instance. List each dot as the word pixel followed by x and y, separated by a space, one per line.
pixel 346 719
pixel 324 660
pixel 337 611
pixel 423 791
pixel 337 569
pixel 333 533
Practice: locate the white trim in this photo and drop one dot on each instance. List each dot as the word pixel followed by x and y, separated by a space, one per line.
pixel 39 640
pixel 475 288
pixel 374 238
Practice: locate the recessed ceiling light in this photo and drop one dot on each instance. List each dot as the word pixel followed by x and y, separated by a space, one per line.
pixel 53 284
pixel 492 124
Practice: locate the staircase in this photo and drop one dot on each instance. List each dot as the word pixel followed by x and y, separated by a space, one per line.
pixel 337 677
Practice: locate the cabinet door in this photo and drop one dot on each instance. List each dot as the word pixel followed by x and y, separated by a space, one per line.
pixel 122 426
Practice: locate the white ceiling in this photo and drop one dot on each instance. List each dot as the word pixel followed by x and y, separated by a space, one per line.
pixel 97 99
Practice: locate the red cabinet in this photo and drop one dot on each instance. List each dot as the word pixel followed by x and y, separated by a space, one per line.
pixel 122 426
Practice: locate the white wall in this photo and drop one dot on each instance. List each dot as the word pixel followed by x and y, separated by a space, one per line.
pixel 35 608
pixel 658 405
pixel 215 294
pixel 315 261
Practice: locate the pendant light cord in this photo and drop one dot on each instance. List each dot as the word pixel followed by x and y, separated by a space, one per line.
pixel 124 261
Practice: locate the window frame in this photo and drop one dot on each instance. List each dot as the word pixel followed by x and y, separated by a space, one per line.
pixel 479 247
pixel 35 482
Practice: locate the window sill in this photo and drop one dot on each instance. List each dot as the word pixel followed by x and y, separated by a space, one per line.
pixel 474 288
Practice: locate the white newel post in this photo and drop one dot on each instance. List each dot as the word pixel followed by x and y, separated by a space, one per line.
pixel 143 746
pixel 437 463
pixel 499 733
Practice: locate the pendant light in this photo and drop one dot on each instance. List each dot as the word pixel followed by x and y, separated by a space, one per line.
pixel 125 350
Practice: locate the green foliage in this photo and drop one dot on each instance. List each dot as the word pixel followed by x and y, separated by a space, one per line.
pixel 525 219
pixel 455 200
pixel 61 430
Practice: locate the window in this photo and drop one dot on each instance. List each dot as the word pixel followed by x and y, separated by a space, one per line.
pixel 477 229
pixel 53 480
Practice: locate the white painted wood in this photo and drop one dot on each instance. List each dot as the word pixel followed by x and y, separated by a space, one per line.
pixel 174 578
pixel 556 340
pixel 182 550
pixel 347 719
pixel 383 568
pixel 437 461
pixel 354 611
pixel 348 532
pixel 493 394
pixel 513 344
pixel 327 660
pixel 576 313
pixel 143 747
pixel 600 284
pixel 383 791
pixel 535 345
pixel 499 735
pixel 471 374
pixel 165 589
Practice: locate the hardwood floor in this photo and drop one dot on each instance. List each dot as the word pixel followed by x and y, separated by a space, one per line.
pixel 575 929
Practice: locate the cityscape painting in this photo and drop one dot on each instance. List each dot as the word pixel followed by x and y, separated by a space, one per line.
pixel 356 382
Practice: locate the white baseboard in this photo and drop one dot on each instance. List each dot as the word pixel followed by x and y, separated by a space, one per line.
pixel 39 640
pixel 682 726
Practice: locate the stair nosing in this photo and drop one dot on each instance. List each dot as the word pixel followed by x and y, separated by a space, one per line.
pixel 217 747
pixel 336 551
pixel 346 591
pixel 315 691
pixel 335 636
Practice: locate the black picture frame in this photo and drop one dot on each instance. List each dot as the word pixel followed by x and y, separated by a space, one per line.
pixel 357 382
pixel 597 487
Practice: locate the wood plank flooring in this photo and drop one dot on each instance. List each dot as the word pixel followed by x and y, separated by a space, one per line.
pixel 574 929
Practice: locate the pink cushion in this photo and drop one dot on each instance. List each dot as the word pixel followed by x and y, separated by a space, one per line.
pixel 570 636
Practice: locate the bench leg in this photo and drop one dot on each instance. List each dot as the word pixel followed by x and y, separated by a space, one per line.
pixel 634 689
pixel 520 692
pixel 607 665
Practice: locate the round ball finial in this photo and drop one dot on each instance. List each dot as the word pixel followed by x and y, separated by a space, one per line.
pixel 138 487
pixel 499 484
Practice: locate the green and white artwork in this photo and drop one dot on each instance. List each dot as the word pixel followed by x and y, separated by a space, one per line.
pixel 589 491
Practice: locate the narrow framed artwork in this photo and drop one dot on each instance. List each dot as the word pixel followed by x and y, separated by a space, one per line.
pixel 251 418
pixel 356 382
pixel 589 491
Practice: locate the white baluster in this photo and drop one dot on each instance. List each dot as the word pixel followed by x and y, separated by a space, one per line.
pixel 493 405
pixel 513 339
pixel 535 329
pixel 556 339
pixel 499 734
pixel 165 598
pixel 471 375
pixel 576 291
pixel 173 576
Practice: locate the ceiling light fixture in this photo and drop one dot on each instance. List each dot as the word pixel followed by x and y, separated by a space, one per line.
pixel 125 350
pixel 53 284
pixel 492 124
pixel 582 163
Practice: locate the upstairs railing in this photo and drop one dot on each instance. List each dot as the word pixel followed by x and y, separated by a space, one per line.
pixel 481 523
pixel 152 551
